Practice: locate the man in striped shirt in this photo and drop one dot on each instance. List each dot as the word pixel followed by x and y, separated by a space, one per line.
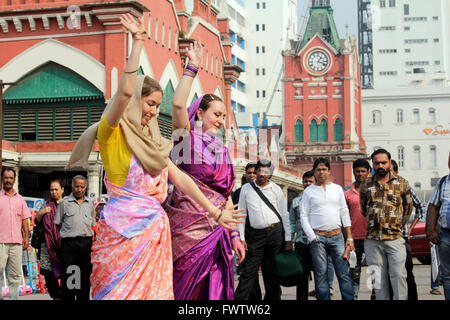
pixel 438 216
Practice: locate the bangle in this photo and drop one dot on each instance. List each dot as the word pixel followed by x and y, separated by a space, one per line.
pixel 131 71
pixel 350 239
pixel 192 69
pixel 139 31
pixel 220 215
pixel 189 73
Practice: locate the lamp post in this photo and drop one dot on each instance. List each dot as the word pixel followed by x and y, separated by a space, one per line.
pixel 1 116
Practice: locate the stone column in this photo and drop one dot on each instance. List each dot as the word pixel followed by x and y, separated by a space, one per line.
pixel 93 188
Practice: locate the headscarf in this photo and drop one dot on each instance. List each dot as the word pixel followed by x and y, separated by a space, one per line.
pixel 146 143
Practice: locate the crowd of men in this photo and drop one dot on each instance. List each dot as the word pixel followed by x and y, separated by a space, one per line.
pixel 326 223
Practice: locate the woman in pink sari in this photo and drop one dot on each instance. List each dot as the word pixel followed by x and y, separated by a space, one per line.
pixel 132 256
pixel 202 249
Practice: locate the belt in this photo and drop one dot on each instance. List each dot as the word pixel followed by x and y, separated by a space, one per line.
pixel 329 233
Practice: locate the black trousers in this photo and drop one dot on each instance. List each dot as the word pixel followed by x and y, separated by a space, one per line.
pixel 304 251
pixel 263 245
pixel 54 290
pixel 76 268
pixel 355 273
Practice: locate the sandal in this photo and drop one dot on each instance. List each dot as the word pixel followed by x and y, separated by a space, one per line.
pixel 435 292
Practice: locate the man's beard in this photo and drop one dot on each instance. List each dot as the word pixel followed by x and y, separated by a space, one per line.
pixel 381 172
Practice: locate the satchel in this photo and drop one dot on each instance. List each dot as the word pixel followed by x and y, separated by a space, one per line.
pixel 288 264
pixel 38 235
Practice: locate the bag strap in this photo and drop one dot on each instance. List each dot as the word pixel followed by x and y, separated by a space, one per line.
pixel 266 201
pixel 440 186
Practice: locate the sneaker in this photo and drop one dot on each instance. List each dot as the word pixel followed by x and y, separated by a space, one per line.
pixel 312 293
pixel 436 292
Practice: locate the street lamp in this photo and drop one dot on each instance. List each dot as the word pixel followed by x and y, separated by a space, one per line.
pixel 1 116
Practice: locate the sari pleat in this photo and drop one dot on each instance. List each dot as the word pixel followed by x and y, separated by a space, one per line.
pixel 132 256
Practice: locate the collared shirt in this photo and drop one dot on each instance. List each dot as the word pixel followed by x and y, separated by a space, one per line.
pixel 259 214
pixel 357 219
pixel 76 219
pixel 13 209
pixel 418 213
pixel 386 207
pixel 323 209
pixel 297 233
pixel 442 198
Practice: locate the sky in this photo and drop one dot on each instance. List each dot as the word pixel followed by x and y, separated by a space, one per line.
pixel 345 13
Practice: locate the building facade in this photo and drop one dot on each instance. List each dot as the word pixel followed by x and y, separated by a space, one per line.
pixel 411 43
pixel 414 126
pixel 322 114
pixel 65 61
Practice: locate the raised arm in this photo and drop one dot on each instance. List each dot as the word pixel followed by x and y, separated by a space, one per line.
pixel 180 117
pixel 128 79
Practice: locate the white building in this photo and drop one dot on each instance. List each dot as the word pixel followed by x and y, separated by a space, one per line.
pixel 414 126
pixel 411 45
pixel 270 25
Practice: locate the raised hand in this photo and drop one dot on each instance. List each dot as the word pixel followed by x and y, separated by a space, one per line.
pixel 195 53
pixel 136 28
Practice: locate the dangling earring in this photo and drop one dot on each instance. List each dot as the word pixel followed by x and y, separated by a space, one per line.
pixel 198 123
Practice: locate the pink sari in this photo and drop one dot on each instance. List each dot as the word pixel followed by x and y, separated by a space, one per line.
pixel 132 256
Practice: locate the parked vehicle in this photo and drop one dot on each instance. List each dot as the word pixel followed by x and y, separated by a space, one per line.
pixel 418 241
pixel 34 204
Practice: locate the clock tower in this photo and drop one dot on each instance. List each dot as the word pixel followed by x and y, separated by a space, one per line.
pixel 322 112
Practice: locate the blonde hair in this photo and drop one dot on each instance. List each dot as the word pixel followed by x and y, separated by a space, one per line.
pixel 149 86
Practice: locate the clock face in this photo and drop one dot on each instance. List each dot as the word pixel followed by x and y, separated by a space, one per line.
pixel 318 61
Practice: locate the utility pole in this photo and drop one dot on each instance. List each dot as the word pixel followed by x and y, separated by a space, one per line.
pixel 1 117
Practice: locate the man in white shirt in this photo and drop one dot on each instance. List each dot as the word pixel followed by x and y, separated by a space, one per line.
pixel 262 233
pixel 323 212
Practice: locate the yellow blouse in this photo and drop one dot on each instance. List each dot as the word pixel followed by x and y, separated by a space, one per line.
pixel 114 151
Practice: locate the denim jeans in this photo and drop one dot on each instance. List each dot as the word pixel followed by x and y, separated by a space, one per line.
pixel 444 255
pixel 320 250
pixel 435 284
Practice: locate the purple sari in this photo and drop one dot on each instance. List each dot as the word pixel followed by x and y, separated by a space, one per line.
pixel 202 249
pixel 52 238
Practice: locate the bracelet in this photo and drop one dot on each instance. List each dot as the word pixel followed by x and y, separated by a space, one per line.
pixel 192 69
pixel 131 71
pixel 189 73
pixel 139 31
pixel 192 65
pixel 350 239
pixel 220 215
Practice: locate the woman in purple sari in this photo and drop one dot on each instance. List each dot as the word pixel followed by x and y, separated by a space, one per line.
pixel 202 250
pixel 50 266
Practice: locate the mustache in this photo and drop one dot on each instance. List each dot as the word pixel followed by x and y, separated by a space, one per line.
pixel 381 171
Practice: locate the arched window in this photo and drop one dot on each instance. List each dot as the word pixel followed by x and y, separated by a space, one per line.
pixel 399 116
pixel 166 103
pixel 401 156
pixel 417 162
pixel 298 131
pixel 376 117
pixel 432 115
pixel 338 130
pixel 433 157
pixel 323 131
pixel 416 116
pixel 313 131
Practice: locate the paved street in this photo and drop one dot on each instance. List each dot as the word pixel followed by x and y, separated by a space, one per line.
pixel 421 273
